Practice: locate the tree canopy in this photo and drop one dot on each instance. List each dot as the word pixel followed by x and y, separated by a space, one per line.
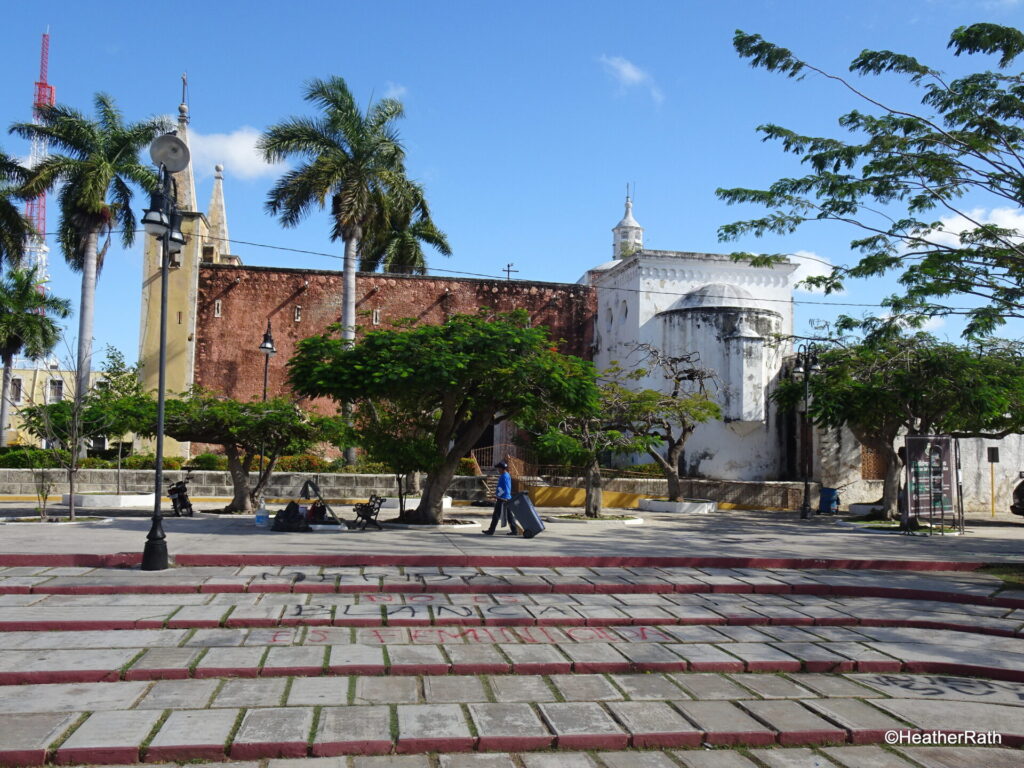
pixel 451 381
pixel 890 384
pixel 923 188
pixel 276 427
pixel 14 227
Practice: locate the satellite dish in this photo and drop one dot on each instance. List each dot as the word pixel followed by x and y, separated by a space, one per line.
pixel 170 152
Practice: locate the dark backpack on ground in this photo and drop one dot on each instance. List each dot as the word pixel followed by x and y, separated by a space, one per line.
pixel 290 519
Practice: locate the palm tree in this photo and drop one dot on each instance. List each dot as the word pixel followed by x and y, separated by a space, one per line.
pixel 397 245
pixel 27 324
pixel 92 160
pixel 352 162
pixel 14 227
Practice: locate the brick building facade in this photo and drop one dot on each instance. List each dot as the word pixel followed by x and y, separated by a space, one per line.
pixel 234 304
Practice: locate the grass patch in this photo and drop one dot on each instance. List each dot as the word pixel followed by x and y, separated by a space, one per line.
pixel 393 721
pixel 351 690
pixel 284 694
pixel 234 729
pixel 52 749
pixel 1012 576
pixel 123 669
pixel 313 727
pixel 144 747
pixel 195 662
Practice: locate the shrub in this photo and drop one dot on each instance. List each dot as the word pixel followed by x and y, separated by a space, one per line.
pixel 92 462
pixel 304 462
pixel 209 461
pixel 148 461
pixel 361 467
pixel 467 466
pixel 26 458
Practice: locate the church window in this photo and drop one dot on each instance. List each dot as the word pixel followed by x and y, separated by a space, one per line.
pixel 15 390
pixel 216 308
pixel 625 311
pixel 298 313
pixel 375 317
pixel 56 391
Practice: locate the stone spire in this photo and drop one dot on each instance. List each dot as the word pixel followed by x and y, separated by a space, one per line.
pixel 186 181
pixel 627 235
pixel 217 214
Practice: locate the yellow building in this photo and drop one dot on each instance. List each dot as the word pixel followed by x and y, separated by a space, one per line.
pixel 36 384
pixel 206 238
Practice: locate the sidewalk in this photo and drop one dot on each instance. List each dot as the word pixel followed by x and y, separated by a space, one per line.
pixel 732 534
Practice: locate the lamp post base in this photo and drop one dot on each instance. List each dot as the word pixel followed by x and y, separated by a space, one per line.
pixel 805 511
pixel 154 555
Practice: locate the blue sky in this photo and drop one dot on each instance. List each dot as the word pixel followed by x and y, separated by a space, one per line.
pixel 525 120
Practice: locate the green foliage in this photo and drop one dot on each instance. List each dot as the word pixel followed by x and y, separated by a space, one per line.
pixel 28 317
pixel 91 462
pixel 466 467
pixel 304 462
pixel 148 461
pixel 27 458
pixel 911 183
pixel 209 461
pixel 429 392
pixel 14 226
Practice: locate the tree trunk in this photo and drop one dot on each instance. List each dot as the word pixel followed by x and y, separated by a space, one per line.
pixel 5 396
pixel 431 508
pixel 348 314
pixel 670 467
pixel 71 491
pixel 242 501
pixel 592 505
pixel 891 487
pixel 86 310
pixel 262 481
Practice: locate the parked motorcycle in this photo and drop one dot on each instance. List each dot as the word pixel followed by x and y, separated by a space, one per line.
pixel 178 492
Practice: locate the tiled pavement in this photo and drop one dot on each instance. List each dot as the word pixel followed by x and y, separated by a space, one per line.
pixel 309 666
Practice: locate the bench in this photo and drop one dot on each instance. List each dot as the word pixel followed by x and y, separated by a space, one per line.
pixel 367 512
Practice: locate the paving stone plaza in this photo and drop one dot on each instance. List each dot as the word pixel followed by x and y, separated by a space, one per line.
pixel 486 653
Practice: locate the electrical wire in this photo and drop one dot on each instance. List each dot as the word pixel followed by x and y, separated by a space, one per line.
pixel 502 278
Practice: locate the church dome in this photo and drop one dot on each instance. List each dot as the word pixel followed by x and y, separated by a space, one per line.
pixel 718 295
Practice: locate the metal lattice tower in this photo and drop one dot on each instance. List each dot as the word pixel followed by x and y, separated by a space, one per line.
pixel 36 250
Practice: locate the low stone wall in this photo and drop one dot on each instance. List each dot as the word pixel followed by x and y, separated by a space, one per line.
pixel 20 482
pixel 747 494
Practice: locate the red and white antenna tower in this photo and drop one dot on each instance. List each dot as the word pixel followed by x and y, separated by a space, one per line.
pixel 36 249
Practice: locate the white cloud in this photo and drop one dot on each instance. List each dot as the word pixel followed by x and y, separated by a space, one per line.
pixel 952 226
pixel 809 264
pixel 236 151
pixel 395 90
pixel 629 75
pixel 933 323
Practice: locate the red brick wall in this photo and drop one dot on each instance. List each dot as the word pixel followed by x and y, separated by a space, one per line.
pixel 227 347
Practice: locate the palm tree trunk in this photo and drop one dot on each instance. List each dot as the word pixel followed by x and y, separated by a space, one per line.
pixel 5 394
pixel 348 317
pixel 86 310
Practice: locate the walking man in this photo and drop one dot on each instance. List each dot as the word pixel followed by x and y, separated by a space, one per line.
pixel 502 497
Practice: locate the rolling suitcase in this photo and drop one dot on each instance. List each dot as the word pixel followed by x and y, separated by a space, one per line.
pixel 525 514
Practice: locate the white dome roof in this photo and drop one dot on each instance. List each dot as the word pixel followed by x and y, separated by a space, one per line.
pixel 718 295
pixel 628 220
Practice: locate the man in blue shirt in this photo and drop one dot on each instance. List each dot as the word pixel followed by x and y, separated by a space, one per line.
pixel 502 497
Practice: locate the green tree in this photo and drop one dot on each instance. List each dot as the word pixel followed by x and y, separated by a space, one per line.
pixel 401 439
pixel 118 401
pixel 396 245
pixel 911 183
pixel 582 437
pixel 889 384
pixel 352 162
pixel 455 379
pixel 276 427
pixel 95 164
pixel 14 227
pixel 670 413
pixel 28 324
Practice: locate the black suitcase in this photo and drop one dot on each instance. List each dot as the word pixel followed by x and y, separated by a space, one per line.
pixel 526 515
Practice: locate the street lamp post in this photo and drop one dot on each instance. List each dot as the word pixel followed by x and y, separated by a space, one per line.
pixel 806 364
pixel 268 350
pixel 163 220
